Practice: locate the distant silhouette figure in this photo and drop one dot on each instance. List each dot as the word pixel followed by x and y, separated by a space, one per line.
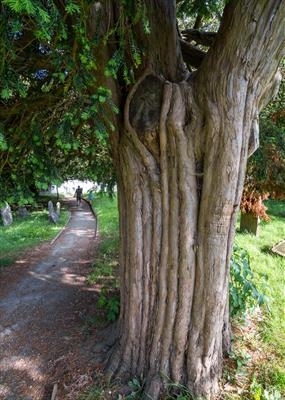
pixel 78 194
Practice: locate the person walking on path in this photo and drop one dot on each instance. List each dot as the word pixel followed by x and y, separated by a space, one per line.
pixel 78 194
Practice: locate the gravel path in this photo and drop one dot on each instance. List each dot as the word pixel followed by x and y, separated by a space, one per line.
pixel 44 305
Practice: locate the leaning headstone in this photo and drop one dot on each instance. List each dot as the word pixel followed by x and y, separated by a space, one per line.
pixel 6 215
pixel 58 208
pixel 22 212
pixel 52 214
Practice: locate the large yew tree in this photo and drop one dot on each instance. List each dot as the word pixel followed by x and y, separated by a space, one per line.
pixel 187 118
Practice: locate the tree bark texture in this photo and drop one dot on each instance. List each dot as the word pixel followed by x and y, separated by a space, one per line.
pixel 181 163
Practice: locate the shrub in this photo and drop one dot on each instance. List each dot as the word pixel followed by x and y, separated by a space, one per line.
pixel 252 203
pixel 243 291
pixel 109 302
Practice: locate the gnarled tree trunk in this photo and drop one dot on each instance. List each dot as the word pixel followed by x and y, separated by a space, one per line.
pixel 181 160
pixel 177 228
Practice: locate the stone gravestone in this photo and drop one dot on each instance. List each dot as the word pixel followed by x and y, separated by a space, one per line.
pixel 249 223
pixel 58 208
pixel 22 212
pixel 52 214
pixel 6 214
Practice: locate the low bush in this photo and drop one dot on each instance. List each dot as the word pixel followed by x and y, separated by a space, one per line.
pixel 243 291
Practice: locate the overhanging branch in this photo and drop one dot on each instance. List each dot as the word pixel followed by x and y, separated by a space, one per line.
pixel 200 37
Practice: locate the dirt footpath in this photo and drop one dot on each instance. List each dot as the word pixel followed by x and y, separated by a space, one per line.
pixel 44 308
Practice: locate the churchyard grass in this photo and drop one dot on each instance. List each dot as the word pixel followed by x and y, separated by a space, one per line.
pixel 268 333
pixel 27 232
pixel 106 262
pixel 269 269
pixel 256 366
pixel 104 272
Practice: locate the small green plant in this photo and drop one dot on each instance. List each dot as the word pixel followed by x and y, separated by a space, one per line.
pixel 272 377
pixel 95 393
pixel 177 391
pixel 243 291
pixel 240 358
pixel 109 302
pixel 255 389
pixel 258 392
pixel 137 389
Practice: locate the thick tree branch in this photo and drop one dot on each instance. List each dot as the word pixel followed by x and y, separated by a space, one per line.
pixel 191 54
pixel 198 22
pixel 200 37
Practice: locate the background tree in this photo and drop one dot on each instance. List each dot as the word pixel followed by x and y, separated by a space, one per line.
pixel 266 167
pixel 265 174
pixel 179 143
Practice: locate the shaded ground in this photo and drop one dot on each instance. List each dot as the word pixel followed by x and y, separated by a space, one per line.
pixel 44 305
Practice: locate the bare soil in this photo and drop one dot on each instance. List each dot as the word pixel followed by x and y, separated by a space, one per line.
pixel 45 304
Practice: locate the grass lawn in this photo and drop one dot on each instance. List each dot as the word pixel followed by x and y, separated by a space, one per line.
pixel 268 374
pixel 27 232
pixel 270 267
pixel 106 263
pixel 255 370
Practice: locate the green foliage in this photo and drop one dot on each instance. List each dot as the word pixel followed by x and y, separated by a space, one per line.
pixel 264 263
pixel 109 303
pixel 179 392
pixel 104 270
pixel 206 13
pixel 57 111
pixel 258 392
pixel 63 94
pixel 265 170
pixel 243 291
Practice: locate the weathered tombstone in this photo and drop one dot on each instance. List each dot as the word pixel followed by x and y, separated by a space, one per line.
pixel 52 214
pixel 58 208
pixel 50 206
pixel 249 223
pixel 22 212
pixel 6 215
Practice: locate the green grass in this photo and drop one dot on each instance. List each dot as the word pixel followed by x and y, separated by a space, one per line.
pixel 270 267
pixel 104 273
pixel 27 232
pixel 106 263
pixel 269 273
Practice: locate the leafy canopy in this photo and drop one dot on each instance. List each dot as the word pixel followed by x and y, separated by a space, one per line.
pixel 57 114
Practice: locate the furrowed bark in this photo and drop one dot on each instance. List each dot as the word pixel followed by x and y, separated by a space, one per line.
pixel 182 158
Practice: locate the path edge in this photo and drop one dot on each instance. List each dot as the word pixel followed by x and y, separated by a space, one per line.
pixel 94 214
pixel 62 230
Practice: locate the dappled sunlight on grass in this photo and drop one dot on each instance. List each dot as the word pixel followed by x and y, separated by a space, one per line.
pixel 27 232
